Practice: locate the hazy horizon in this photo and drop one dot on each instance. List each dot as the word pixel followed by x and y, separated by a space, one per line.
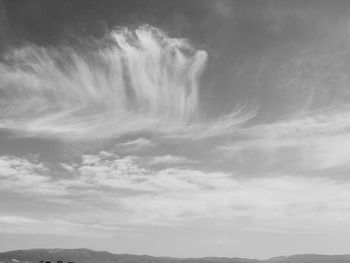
pixel 77 250
pixel 175 128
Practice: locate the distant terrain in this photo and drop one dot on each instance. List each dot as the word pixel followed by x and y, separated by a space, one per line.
pixel 91 256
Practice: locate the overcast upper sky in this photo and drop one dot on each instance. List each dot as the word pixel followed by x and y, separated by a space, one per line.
pixel 175 128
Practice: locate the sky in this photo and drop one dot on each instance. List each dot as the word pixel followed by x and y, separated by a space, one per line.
pixel 175 128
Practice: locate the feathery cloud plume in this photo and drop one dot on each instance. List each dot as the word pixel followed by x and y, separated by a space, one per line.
pixel 130 81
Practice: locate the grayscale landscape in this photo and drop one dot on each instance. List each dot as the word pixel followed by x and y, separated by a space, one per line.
pixel 214 131
pixel 91 256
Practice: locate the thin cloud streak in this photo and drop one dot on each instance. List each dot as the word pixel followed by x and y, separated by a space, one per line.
pixel 20 224
pixel 136 145
pixel 169 160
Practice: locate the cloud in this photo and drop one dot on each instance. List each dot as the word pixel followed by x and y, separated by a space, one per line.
pixel 51 225
pixel 225 125
pixel 318 141
pixel 169 159
pixel 135 145
pixel 327 153
pixel 131 81
pixel 22 175
pixel 268 204
pixel 111 192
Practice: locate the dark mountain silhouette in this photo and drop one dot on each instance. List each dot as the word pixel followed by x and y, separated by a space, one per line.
pixel 91 256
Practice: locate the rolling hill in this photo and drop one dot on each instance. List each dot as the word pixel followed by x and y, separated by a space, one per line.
pixel 91 256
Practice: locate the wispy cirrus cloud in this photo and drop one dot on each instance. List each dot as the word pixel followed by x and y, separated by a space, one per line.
pixel 131 81
pixel 319 140
pixel 136 145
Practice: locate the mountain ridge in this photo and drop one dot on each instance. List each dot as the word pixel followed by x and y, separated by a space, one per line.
pixel 84 255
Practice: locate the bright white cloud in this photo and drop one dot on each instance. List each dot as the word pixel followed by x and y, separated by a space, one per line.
pixel 169 159
pixel 269 204
pixel 129 195
pixel 17 174
pixel 320 140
